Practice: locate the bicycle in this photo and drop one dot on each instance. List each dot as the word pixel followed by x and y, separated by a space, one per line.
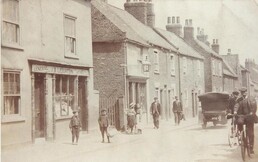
pixel 234 133
pixel 245 144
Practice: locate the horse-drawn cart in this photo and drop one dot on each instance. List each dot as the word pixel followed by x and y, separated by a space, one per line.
pixel 214 108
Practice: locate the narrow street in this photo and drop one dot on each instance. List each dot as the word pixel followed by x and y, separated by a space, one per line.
pixel 169 143
pixel 185 143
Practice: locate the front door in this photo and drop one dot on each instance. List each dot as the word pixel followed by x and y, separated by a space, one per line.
pixel 39 106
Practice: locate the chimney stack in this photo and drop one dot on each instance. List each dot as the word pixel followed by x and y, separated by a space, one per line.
pixel 215 46
pixel 229 51
pixel 188 29
pixel 175 27
pixel 142 10
pixel 202 37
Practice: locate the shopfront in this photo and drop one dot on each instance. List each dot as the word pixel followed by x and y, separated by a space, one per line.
pixel 57 90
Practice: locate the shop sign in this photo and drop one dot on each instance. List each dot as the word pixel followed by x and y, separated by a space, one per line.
pixel 59 70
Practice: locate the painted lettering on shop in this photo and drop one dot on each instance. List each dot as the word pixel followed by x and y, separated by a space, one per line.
pixel 58 70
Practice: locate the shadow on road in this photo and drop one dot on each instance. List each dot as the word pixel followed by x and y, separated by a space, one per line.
pixel 209 128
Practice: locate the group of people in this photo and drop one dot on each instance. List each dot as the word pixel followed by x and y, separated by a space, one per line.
pixel 134 114
pixel 242 104
pixel 177 109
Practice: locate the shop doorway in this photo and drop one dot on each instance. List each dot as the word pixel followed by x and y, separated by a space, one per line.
pixel 83 103
pixel 40 111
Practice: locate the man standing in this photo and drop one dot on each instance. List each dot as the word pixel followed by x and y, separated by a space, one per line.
pixel 247 106
pixel 155 111
pixel 232 101
pixel 177 109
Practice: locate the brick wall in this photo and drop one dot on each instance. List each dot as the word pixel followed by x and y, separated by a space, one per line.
pixel 138 10
pixel 109 77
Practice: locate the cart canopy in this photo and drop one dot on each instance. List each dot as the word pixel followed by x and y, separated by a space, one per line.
pixel 213 96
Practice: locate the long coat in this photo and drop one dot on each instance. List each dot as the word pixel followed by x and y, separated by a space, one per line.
pixel 245 106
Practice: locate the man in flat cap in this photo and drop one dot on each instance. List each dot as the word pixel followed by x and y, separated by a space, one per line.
pixel 177 110
pixel 155 111
pixel 247 105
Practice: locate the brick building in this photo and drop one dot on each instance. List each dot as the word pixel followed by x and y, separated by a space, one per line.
pixel 132 59
pixel 213 73
pixel 252 67
pixel 190 66
pixel 47 69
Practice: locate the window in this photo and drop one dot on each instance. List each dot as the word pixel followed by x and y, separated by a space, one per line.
pixel 70 37
pixel 213 67
pixel 157 92
pixel 64 95
pixel 186 97
pixel 220 69
pixel 156 61
pixel 11 27
pixel 199 67
pixel 172 64
pixel 184 65
pixel 12 97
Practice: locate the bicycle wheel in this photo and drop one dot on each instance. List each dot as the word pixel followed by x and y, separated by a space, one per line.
pixel 242 139
pixel 247 145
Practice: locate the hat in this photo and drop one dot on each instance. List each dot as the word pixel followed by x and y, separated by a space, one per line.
pixel 243 89
pixel 235 92
pixel 131 105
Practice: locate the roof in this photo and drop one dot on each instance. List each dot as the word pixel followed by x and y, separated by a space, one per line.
pixel 118 22
pixel 179 42
pixel 243 68
pixel 134 29
pixel 207 48
pixel 227 70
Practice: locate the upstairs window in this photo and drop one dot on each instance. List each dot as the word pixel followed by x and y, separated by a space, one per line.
pixel 220 69
pixel 156 61
pixel 70 35
pixel 11 92
pixel 184 65
pixel 11 27
pixel 213 67
pixel 172 65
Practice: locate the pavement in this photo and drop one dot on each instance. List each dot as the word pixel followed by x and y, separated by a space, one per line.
pixel 63 150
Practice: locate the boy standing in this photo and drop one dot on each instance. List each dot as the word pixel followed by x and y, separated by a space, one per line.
pixel 75 126
pixel 103 124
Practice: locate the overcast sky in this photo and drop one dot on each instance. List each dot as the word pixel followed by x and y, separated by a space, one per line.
pixel 233 22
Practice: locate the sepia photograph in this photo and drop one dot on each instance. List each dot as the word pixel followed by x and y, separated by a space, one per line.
pixel 129 80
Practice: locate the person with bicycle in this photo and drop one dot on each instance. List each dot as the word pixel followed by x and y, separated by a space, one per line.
pixel 246 106
pixel 231 104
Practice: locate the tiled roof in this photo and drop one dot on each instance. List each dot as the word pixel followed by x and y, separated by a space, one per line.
pixel 207 48
pixel 117 21
pixel 179 42
pixel 134 29
pixel 227 70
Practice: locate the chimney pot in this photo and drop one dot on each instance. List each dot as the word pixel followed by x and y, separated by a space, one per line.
pixel 169 20
pixel 217 42
pixel 178 19
pixel 214 42
pixel 173 19
pixel 186 22
pixel 190 22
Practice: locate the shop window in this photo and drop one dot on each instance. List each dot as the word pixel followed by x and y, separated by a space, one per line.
pixel 64 95
pixel 11 27
pixel 11 93
pixel 70 36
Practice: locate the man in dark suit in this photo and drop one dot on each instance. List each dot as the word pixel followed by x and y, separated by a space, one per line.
pixel 155 111
pixel 247 106
pixel 177 109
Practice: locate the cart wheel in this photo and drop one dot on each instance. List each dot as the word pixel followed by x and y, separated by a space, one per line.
pixel 214 123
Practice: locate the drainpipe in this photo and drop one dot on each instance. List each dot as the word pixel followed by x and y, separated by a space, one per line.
pixel 179 76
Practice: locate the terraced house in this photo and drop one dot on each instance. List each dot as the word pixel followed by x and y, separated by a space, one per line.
pixel 132 63
pixel 191 66
pixel 46 69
